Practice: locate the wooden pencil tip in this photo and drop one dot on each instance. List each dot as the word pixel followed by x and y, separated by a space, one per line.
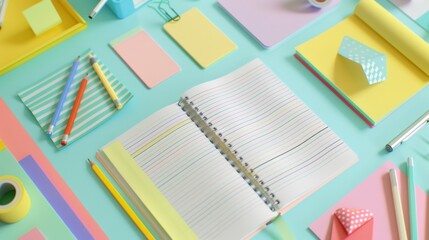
pixel 90 162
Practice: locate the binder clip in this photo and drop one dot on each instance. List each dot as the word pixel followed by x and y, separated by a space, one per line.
pixel 164 9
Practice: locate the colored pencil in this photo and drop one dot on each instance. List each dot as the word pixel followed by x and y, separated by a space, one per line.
pixel 104 81
pixel 121 201
pixel 398 205
pixel 63 96
pixel 74 111
pixel 412 200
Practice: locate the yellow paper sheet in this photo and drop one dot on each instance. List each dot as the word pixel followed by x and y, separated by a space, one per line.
pixel 148 193
pixel 42 16
pixel 2 145
pixel 404 78
pixel 200 38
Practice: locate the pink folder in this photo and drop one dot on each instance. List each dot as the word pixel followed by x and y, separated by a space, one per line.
pixel 271 21
pixel 375 194
pixel 145 57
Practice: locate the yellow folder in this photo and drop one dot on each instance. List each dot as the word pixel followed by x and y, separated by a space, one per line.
pixel 18 43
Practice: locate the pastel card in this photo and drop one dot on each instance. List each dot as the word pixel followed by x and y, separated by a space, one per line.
pixel 199 37
pixel 33 234
pixel 145 57
pixel 372 62
pixel 375 194
pixel 271 21
pixel 42 16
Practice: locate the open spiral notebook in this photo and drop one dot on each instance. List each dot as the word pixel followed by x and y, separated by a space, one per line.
pixel 232 155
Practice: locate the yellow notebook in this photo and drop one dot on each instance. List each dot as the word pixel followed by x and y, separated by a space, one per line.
pixel 370 24
pixel 230 157
pixel 18 43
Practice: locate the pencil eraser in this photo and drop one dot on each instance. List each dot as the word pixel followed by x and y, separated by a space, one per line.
pixel 42 17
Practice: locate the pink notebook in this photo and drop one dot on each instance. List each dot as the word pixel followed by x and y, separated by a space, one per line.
pixel 271 21
pixel 145 57
pixel 375 194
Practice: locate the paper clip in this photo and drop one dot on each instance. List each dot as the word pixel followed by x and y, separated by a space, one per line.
pixel 164 9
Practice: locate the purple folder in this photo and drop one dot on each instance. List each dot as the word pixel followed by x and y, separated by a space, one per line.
pixel 271 21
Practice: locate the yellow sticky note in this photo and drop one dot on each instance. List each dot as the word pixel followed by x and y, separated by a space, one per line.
pixel 200 38
pixel 42 16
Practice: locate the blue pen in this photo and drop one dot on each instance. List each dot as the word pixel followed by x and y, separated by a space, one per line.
pixel 412 200
pixel 63 96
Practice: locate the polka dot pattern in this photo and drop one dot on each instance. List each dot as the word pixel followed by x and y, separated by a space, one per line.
pixel 353 219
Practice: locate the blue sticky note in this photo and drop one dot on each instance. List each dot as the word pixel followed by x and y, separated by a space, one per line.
pixel 373 63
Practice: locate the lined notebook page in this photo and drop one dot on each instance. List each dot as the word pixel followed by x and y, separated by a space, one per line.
pixel 197 180
pixel 283 141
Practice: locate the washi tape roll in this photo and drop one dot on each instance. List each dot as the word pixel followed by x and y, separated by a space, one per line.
pixel 14 199
pixel 319 3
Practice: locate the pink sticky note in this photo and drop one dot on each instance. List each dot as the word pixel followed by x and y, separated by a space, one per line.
pixel 375 194
pixel 145 57
pixel 33 234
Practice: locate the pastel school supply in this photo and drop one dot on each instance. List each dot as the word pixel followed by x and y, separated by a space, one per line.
pixel 38 165
pixel 25 45
pixel 145 57
pixel 105 82
pixel 219 139
pixel 3 6
pixel 15 201
pixel 374 194
pixel 412 200
pixel 408 133
pixel 418 10
pixel 63 97
pixel 338 231
pixel 130 212
pixel 271 21
pixel 40 215
pixel 96 107
pixel 199 37
pixel 33 234
pixel 400 222
pixel 407 57
pixel 124 8
pixel 73 113
pixel 42 17
pixel 319 3
pixel 352 223
pixel 58 203
pixel 97 8
pixel 373 63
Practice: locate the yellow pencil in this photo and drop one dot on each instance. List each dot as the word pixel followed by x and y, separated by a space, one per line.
pixel 104 81
pixel 121 201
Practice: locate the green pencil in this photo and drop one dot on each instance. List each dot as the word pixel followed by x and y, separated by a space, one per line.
pixel 412 200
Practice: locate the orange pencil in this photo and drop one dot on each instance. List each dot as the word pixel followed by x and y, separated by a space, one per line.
pixel 75 108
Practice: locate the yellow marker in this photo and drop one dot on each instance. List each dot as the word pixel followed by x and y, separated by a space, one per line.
pixel 121 201
pixel 104 81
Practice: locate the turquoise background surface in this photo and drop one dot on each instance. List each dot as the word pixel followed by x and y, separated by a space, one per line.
pixel 71 162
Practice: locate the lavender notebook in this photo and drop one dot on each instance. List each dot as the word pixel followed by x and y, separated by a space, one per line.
pixel 271 21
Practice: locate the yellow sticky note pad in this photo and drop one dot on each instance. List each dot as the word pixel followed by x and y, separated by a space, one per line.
pixel 42 16
pixel 200 38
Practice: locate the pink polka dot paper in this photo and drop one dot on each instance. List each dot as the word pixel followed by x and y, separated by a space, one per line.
pixel 353 219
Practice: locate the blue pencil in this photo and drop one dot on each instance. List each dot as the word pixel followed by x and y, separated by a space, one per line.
pixel 63 96
pixel 412 200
